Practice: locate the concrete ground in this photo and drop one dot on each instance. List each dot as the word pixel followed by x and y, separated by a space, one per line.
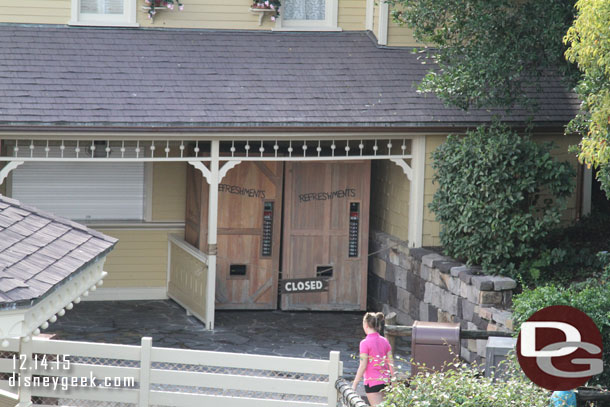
pixel 295 334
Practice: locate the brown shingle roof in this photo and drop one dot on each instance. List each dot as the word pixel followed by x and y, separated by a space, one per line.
pixel 39 251
pixel 142 78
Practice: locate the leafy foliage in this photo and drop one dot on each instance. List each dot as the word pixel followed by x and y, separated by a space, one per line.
pixel 465 387
pixel 589 40
pixel 591 297
pixel 498 196
pixel 487 51
pixel 570 253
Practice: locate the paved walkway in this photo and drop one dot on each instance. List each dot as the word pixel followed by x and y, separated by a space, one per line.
pixel 296 334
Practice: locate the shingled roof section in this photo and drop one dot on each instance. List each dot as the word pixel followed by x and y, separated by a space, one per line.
pixel 147 78
pixel 39 252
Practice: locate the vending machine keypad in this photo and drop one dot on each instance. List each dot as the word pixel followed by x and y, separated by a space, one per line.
pixel 354 228
pixel 267 241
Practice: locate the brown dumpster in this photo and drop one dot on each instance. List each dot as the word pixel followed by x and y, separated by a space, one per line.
pixel 434 344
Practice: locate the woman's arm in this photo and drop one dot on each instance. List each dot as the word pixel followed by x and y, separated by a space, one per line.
pixel 364 360
pixel 391 364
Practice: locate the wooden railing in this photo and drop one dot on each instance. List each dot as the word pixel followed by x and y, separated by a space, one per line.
pixel 188 279
pixel 146 375
pixel 392 331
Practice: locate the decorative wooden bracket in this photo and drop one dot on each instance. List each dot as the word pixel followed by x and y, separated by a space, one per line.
pixel 226 167
pixel 405 167
pixel 221 173
pixel 204 170
pixel 7 169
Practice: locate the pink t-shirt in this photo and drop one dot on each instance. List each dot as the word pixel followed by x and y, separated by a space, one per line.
pixel 377 348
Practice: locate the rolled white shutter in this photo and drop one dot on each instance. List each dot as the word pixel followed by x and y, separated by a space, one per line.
pixel 82 191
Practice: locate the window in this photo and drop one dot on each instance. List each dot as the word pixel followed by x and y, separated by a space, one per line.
pixel 82 191
pixel 309 15
pixel 104 12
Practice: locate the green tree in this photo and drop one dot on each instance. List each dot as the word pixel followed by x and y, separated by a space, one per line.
pixel 488 52
pixel 589 41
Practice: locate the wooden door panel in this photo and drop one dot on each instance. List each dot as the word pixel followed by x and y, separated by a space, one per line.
pixel 317 201
pixel 242 194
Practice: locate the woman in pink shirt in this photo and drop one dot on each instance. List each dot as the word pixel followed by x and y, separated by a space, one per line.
pixel 376 363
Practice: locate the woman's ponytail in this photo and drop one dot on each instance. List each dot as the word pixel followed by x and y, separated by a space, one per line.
pixel 375 321
pixel 380 323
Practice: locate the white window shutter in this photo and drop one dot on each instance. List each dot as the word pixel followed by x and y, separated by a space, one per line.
pixel 91 6
pixel 114 7
pixel 101 6
pixel 304 9
pixel 82 191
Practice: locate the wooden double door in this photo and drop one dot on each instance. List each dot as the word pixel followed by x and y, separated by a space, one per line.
pixel 310 217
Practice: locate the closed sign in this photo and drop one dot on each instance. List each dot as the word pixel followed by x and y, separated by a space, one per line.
pixel 304 285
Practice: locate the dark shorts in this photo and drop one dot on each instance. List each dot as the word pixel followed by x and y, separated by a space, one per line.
pixel 374 389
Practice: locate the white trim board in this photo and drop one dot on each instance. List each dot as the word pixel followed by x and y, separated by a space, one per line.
pixel 127 294
pixel 384 14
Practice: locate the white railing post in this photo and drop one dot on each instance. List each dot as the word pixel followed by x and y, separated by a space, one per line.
pixel 333 374
pixel 416 194
pixel 145 371
pixel 25 372
pixel 212 232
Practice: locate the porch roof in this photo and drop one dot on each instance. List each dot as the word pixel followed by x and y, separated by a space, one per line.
pixel 56 76
pixel 39 252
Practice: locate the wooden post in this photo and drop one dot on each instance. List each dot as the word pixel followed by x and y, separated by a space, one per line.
pixel 334 371
pixel 212 232
pixel 416 191
pixel 390 319
pixel 25 392
pixel 145 350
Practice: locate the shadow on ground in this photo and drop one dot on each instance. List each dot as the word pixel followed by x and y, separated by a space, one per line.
pixel 295 334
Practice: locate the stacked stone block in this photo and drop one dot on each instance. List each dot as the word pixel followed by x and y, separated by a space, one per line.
pixel 420 284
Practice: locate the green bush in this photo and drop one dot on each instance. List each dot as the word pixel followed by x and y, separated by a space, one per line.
pixel 465 387
pixel 592 297
pixel 499 194
pixel 569 253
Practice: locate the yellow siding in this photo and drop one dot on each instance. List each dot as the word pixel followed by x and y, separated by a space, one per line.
pixel 35 11
pixel 352 14
pixel 214 14
pixel 390 199
pixel 431 228
pixel 169 192
pixel 400 35
pixel 211 14
pixel 139 259
pixel 376 19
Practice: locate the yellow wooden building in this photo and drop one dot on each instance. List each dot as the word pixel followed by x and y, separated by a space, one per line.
pixel 138 127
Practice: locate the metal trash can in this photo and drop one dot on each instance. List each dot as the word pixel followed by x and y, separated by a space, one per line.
pixel 434 344
pixel 496 350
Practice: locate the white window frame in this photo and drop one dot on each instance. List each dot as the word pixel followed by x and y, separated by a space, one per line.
pixel 328 24
pixel 127 19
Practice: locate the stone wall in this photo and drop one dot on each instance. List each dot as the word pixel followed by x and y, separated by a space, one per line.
pixel 420 284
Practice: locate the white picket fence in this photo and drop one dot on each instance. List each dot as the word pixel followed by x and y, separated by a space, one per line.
pixel 166 376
